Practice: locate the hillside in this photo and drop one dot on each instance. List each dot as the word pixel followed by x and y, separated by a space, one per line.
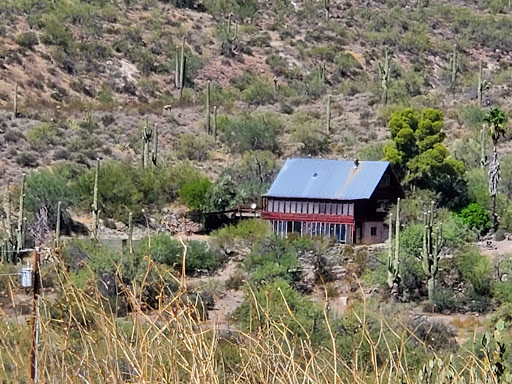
pixel 114 64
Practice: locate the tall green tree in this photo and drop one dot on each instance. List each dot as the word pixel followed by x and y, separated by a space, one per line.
pixel 419 157
pixel 496 118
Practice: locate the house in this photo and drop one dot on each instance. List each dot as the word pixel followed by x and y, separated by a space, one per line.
pixel 345 200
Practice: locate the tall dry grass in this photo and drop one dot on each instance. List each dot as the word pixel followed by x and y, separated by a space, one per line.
pixel 83 341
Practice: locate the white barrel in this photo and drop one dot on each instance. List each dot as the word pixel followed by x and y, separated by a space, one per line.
pixel 26 277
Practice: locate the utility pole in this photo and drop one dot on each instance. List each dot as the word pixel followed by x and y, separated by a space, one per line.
pixel 35 318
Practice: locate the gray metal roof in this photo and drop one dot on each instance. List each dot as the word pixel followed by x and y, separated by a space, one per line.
pixel 327 179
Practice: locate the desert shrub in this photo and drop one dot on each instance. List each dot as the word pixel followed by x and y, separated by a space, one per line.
pixel 475 269
pixel 57 33
pixel 195 193
pixel 246 231
pixel 475 216
pixel 166 250
pixel 500 234
pixel 236 280
pixel 278 64
pixel 193 147
pixel 314 142
pixel 42 136
pixel 26 159
pixel 27 40
pixel 13 136
pixel 259 92
pixel 435 334
pixel 272 259
pixel 442 301
pixel 44 189
pixel 251 133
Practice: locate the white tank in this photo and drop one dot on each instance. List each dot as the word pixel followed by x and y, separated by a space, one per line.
pixel 26 277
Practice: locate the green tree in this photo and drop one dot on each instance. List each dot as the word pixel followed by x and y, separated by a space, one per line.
pixel 475 216
pixel 496 119
pixel 419 157
pixel 195 193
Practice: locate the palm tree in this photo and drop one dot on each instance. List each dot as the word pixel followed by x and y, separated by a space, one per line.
pixel 496 118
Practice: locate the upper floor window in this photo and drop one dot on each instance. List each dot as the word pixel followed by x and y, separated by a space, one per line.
pixel 385 181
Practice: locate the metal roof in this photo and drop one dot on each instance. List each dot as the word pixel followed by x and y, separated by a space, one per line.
pixel 327 179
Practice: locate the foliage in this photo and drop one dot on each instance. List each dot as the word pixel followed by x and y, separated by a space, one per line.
pixel 193 147
pixel 259 93
pixel 475 269
pixel 195 193
pixel 252 133
pixel 314 142
pixel 246 231
pixel 26 159
pixel 27 40
pixel 168 251
pixel 475 216
pixel 42 136
pixel 418 155
pixel 272 259
pixel 45 188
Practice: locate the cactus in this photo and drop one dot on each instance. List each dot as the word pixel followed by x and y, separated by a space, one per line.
pixel 327 8
pixel 57 227
pixel 394 253
pixel 231 36
pixel 15 102
pixel 182 68
pixel 95 209
pixel 215 123
pixel 208 122
pixel 130 232
pixel 483 142
pixel 321 72
pixel 147 134
pixel 19 232
pixel 328 114
pixel 177 69
pixel 276 84
pixel 154 154
pixel 432 246
pixel 385 74
pixel 483 85
pixel 454 66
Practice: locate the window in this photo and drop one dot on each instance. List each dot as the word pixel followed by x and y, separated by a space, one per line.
pixel 322 208
pixel 287 206
pixel 373 231
pixel 385 181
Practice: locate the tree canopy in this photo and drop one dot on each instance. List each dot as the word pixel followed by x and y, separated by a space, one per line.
pixel 419 157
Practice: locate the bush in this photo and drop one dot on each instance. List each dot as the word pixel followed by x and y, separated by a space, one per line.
pixel 475 269
pixel 192 147
pixel 27 40
pixel 168 251
pixel 252 133
pixel 475 216
pixel 46 188
pixel 259 93
pixel 42 136
pixel 26 159
pixel 443 301
pixel 195 193
pixel 246 231
pixel 314 142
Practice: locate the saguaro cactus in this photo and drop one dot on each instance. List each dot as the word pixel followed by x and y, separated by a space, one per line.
pixel 147 134
pixel 130 232
pixel 394 253
pixel 57 227
pixel 95 209
pixel 483 143
pixel 483 85
pixel 327 9
pixel 154 154
pixel 454 65
pixel 182 68
pixel 385 75
pixel 432 245
pixel 328 114
pixel 177 69
pixel 215 123
pixel 15 102
pixel 322 72
pixel 208 122
pixel 20 244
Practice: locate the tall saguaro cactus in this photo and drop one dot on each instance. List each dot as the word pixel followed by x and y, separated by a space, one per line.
pixel 483 85
pixel 327 9
pixel 483 149
pixel 15 102
pixel 215 123
pixel 20 244
pixel 130 232
pixel 179 74
pixel 207 117
pixel 154 154
pixel 432 245
pixel 328 114
pixel 394 253
pixel 454 66
pixel 385 75
pixel 57 227
pixel 147 135
pixel 95 209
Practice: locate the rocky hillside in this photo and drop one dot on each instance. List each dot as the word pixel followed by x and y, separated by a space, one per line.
pixel 88 74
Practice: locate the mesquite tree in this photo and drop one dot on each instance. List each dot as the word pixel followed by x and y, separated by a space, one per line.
pixel 496 119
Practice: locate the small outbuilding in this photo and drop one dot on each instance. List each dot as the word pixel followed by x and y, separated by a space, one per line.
pixel 345 200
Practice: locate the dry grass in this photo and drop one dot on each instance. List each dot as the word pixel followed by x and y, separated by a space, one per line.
pixel 82 341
